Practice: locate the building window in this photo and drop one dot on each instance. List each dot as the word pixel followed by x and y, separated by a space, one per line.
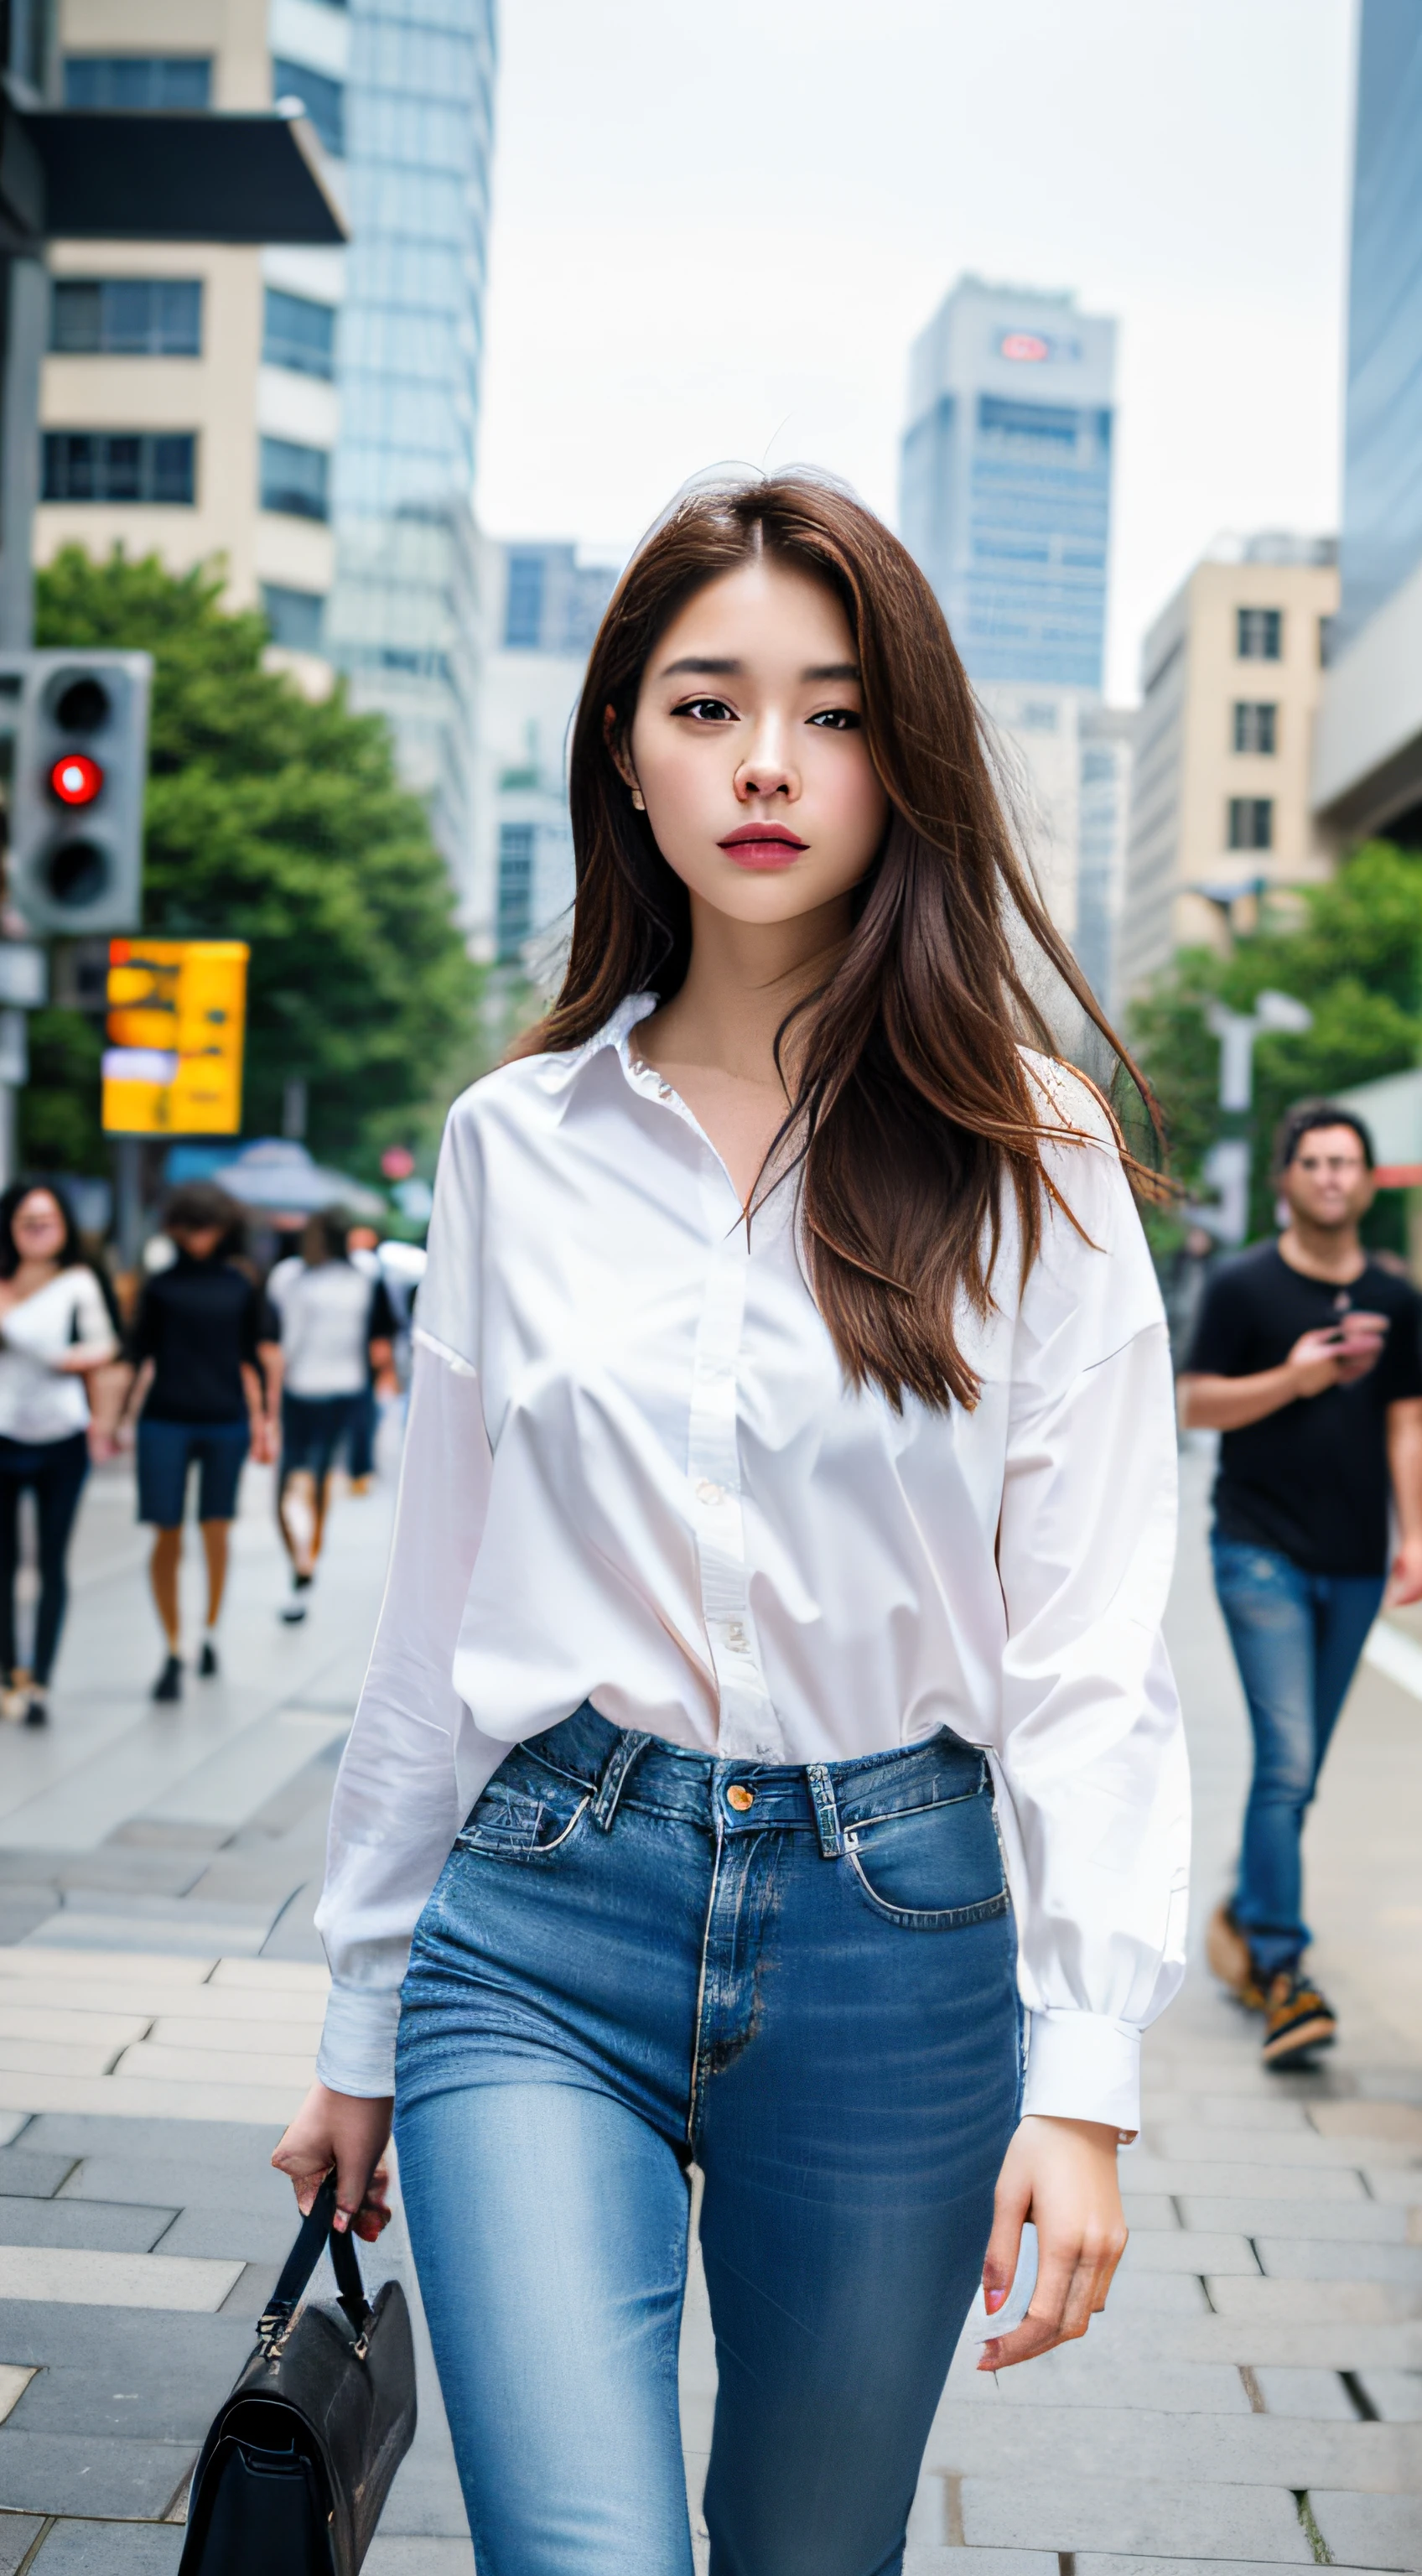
pixel 295 479
pixel 1255 727
pixel 523 608
pixel 138 80
pixel 298 333
pixel 1251 822
pixel 296 617
pixel 1259 634
pixel 323 99
pixel 126 317
pixel 515 913
pixel 118 465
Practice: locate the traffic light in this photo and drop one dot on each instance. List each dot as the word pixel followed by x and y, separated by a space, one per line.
pixel 76 799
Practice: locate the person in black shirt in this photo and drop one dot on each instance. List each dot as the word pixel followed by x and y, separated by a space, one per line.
pixel 205 1347
pixel 1306 1357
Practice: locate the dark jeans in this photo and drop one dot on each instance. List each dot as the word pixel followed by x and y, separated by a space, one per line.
pixel 805 1982
pixel 361 1460
pixel 55 1471
pixel 1297 1638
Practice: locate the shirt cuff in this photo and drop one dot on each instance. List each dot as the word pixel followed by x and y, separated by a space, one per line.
pixel 1083 2066
pixel 357 2052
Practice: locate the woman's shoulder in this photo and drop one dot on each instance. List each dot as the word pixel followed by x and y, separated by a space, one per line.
pixel 1072 1110
pixel 523 1094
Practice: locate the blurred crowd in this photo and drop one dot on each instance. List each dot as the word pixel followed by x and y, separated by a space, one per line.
pixel 209 1356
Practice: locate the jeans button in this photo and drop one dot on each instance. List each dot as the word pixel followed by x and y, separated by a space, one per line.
pixel 740 1798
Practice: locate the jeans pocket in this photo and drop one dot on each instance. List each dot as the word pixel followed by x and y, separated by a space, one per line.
pixel 932 1868
pixel 527 1813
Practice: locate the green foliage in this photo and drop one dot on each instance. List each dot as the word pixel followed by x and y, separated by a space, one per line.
pixel 59 1106
pixel 1355 958
pixel 283 823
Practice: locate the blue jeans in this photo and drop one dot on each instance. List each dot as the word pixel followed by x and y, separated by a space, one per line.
pixel 804 1982
pixel 1297 1638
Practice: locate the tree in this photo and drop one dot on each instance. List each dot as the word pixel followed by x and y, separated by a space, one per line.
pixel 283 823
pixel 1355 957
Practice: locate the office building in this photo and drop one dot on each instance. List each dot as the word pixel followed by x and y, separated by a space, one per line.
pixel 306 418
pixel 541 610
pixel 1220 806
pixel 1368 770
pixel 1005 487
pixel 1106 741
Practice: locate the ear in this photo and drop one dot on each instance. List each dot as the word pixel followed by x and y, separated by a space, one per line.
pixel 617 748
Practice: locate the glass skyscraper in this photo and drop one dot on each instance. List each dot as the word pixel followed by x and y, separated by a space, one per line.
pixel 1006 480
pixel 401 619
pixel 1382 484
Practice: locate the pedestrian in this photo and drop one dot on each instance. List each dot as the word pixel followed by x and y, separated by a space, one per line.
pixel 208 1372
pixel 790 1463
pixel 337 1328
pixel 57 1340
pixel 1306 1358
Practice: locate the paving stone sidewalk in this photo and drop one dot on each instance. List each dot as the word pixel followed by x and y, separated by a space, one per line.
pixel 1251 2401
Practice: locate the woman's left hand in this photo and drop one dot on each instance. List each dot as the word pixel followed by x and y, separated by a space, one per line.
pixel 1060 2174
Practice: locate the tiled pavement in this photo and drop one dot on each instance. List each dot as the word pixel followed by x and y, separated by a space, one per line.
pixel 1250 2402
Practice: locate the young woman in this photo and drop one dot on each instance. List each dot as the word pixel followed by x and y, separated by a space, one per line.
pixel 789 1483
pixel 56 1336
pixel 209 1368
pixel 337 1326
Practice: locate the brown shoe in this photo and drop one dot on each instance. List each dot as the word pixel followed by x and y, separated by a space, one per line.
pixel 1227 1951
pixel 1298 2022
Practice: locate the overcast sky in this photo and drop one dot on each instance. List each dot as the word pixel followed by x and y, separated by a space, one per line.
pixel 717 229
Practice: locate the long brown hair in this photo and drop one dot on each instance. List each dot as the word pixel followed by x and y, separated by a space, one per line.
pixel 912 1104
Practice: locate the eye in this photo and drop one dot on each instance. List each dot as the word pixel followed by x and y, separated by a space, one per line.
pixel 837 720
pixel 706 711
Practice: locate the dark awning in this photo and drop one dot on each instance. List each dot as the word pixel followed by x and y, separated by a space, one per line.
pixel 104 174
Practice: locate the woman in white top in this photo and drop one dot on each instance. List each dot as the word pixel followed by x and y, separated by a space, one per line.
pixel 336 1326
pixel 789 1482
pixel 55 1332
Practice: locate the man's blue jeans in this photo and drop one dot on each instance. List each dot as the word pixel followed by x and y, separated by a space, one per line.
pixel 1297 1638
pixel 804 1982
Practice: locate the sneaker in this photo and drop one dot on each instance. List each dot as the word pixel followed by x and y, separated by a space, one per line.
pixel 1227 1951
pixel 37 1709
pixel 295 1610
pixel 207 1660
pixel 169 1685
pixel 1298 2020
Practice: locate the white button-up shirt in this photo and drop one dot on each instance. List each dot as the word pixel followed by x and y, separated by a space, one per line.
pixel 634 1473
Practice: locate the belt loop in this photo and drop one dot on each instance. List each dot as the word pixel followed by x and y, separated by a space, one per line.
pixel 831 1832
pixel 614 1776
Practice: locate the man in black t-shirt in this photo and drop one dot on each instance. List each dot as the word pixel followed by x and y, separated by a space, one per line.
pixel 1306 1357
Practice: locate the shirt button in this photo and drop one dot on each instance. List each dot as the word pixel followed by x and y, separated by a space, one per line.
pixel 706 1492
pixel 740 1798
pixel 664 1091
pixel 735 1634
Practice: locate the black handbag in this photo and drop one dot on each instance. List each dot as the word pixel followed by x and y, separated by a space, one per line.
pixel 299 2458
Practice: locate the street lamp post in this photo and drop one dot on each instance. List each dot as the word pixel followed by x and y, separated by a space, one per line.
pixel 1226 1166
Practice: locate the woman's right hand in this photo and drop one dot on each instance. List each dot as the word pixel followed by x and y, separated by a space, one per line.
pixel 348 2132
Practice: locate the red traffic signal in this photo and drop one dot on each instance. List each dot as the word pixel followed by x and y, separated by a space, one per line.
pixel 75 779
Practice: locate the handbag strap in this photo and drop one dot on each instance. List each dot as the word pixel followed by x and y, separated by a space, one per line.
pixel 316 2234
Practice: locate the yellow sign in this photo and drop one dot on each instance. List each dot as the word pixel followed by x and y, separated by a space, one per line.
pixel 177 1010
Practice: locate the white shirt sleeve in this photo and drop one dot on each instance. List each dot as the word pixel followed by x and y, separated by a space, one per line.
pixel 414 1762
pixel 1091 1757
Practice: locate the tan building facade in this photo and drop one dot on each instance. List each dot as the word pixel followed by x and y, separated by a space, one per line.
pixel 163 417
pixel 1231 673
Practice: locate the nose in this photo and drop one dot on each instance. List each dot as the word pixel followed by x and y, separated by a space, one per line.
pixel 767 770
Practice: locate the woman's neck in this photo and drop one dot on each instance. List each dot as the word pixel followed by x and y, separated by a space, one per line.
pixel 28 1277
pixel 742 980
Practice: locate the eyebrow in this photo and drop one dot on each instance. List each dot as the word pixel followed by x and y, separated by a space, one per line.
pixel 731 670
